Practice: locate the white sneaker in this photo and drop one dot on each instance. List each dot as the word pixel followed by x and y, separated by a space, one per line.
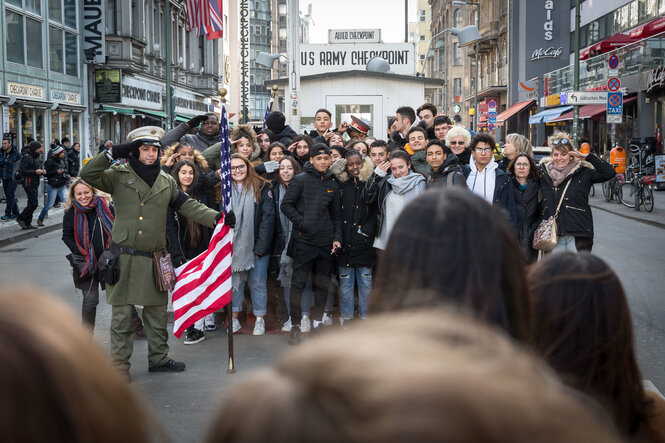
pixel 304 324
pixel 326 320
pixel 209 322
pixel 287 326
pixel 236 325
pixel 259 326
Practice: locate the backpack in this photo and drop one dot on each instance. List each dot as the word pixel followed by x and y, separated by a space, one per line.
pixel 17 176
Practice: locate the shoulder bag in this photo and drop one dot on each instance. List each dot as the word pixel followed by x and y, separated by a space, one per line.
pixel 164 273
pixel 545 238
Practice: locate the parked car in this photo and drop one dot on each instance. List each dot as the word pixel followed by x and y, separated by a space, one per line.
pixel 541 151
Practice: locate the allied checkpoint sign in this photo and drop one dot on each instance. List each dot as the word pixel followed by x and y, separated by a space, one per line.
pixel 319 59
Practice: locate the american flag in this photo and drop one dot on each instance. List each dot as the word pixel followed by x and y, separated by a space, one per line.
pixel 268 108
pixel 203 284
pixel 198 15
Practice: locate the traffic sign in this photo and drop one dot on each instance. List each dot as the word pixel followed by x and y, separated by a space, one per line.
pixel 584 98
pixel 490 126
pixel 491 104
pixel 457 108
pixel 614 103
pixel 492 115
pixel 614 119
pixel 614 84
pixel 613 61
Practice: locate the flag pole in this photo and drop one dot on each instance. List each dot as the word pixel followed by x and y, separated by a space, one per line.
pixel 227 310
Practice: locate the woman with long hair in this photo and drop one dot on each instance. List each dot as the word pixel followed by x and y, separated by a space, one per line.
pixel 525 178
pixel 243 141
pixel 182 151
pixel 187 238
pixel 254 208
pixel 515 144
pixel 583 328
pixel 454 249
pixel 86 230
pixel 299 147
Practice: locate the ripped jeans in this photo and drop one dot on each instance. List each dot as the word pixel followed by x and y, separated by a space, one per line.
pixel 348 277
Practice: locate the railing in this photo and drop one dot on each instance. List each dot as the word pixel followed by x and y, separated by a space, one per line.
pixel 642 56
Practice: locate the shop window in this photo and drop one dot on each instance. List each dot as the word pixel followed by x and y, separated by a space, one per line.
pixel 76 131
pixel 65 130
pixel 55 125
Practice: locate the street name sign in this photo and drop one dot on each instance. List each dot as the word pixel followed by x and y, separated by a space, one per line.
pixel 585 97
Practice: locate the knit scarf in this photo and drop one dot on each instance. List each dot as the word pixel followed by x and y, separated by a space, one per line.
pixel 81 230
pixel 242 204
pixel 558 175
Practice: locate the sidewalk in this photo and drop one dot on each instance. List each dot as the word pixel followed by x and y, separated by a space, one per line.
pixel 655 218
pixel 11 232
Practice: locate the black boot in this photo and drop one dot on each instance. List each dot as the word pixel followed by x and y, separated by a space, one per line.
pixel 295 337
pixel 88 318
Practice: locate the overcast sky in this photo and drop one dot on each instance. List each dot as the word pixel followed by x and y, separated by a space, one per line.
pixel 387 15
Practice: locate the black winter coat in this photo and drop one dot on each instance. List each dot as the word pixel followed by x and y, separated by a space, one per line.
pixel 450 167
pixel 264 221
pixel 285 135
pixel 28 168
pixel 312 204
pixel 358 220
pixel 94 229
pixel 177 234
pixel 375 193
pixel 52 165
pixel 279 237
pixel 527 211
pixel 575 214
pixel 74 159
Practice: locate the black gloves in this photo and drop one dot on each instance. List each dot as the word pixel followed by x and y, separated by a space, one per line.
pixel 196 121
pixel 229 220
pixel 123 150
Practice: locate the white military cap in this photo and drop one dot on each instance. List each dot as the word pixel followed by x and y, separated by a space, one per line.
pixel 151 135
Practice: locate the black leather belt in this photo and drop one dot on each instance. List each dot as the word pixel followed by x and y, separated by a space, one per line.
pixel 117 249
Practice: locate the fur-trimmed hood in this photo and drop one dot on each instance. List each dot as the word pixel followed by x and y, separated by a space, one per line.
pixel 580 164
pixel 365 171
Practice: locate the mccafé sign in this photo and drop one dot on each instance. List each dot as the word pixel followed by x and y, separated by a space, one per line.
pixel 656 78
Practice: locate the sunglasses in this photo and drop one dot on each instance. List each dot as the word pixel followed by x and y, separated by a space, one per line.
pixel 561 141
pixel 457 143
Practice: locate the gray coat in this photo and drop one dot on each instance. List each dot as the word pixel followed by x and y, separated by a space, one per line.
pixel 198 141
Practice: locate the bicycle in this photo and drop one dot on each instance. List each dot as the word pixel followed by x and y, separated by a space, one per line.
pixel 611 187
pixel 638 191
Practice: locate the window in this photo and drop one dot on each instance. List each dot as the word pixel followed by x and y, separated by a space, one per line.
pixel 33 49
pixel 422 15
pixel 24 32
pixel 422 38
pixel 15 39
pixel 71 54
pixel 202 50
pixel 56 49
pixel 110 17
pixel 457 89
pixel 70 13
pixel 457 18
pixel 457 57
pixel 421 57
pixel 34 6
pixel 55 10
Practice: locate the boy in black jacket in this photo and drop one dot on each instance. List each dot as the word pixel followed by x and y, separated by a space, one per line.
pixel 30 171
pixel 57 174
pixel 312 204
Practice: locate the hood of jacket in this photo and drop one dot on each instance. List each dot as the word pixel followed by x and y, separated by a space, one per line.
pixel 286 132
pixel 450 164
pixel 365 172
pixel 580 164
pixel 491 166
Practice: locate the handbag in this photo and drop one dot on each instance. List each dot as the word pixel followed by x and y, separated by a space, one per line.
pixel 546 238
pixel 77 260
pixel 164 273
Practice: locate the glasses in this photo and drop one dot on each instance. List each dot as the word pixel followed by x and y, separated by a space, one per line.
pixel 238 168
pixel 561 141
pixel 457 143
pixel 482 150
pixel 521 165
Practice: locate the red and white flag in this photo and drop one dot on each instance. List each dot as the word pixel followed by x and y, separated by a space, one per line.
pixel 198 14
pixel 204 283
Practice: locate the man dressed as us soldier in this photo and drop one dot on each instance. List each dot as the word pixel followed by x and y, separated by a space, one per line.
pixel 141 193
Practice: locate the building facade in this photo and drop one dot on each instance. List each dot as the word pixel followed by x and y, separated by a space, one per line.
pixel 420 34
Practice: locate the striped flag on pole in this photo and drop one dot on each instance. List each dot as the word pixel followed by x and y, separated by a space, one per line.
pixel 268 109
pixel 217 25
pixel 203 284
pixel 198 15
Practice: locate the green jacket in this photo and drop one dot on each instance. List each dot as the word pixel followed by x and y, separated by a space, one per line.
pixel 213 157
pixel 140 223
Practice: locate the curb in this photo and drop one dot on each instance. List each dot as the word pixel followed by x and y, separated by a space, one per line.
pixel 637 219
pixel 30 234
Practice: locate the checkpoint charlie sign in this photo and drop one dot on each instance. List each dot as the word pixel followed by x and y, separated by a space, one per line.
pixel 318 59
pixel 354 35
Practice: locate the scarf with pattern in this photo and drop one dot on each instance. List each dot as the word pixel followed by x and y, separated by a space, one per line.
pixel 82 233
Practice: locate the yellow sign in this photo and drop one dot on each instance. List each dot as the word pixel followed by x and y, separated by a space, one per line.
pixel 552 100
pixel 23 90
pixel 472 111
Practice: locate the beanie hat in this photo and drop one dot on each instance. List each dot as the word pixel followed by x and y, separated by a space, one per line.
pixel 57 150
pixel 318 149
pixel 34 145
pixel 276 122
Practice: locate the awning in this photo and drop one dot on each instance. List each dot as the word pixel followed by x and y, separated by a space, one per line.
pixel 648 29
pixel 150 112
pixel 117 110
pixel 513 110
pixel 183 118
pixel 589 111
pixel 612 43
pixel 548 115
pixel 584 54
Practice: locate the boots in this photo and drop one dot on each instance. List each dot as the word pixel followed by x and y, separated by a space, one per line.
pixel 137 325
pixel 88 318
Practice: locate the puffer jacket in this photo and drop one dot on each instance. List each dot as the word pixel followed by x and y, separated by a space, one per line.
pixel 358 219
pixel 28 167
pixel 312 204
pixel 527 212
pixel 51 165
pixel 286 135
pixel 450 167
pixel 575 214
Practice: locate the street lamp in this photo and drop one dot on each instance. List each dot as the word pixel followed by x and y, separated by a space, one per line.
pixel 467 36
pixel 475 88
pixel 267 60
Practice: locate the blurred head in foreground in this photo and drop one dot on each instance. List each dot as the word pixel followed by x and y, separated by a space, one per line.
pixel 56 384
pixel 431 377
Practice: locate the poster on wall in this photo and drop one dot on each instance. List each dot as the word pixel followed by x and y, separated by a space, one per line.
pixel 107 85
pixel 660 168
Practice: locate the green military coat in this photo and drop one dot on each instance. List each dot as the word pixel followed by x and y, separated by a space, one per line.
pixel 213 157
pixel 140 223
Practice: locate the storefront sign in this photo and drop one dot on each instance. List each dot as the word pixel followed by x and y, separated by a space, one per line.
pixel 140 93
pixel 354 35
pixel 73 98
pixel 660 168
pixel 550 52
pixel 94 46
pixel 318 59
pixel 107 86
pixel 656 78
pixel 188 103
pixel 23 90
pixel 5 119
pixel 584 98
pixel 553 100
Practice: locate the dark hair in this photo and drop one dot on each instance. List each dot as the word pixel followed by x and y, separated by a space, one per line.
pixel 266 156
pixel 352 152
pixel 427 106
pixel 439 143
pixel 417 129
pixel 379 144
pixel 296 169
pixel 268 132
pixel 350 145
pixel 534 172
pixel 482 137
pixel 334 133
pixel 64 140
pixel 454 248
pixel 323 110
pixel 193 227
pixel 583 328
pixel 310 143
pixel 400 154
pixel 408 112
pixel 338 148
pixel 442 119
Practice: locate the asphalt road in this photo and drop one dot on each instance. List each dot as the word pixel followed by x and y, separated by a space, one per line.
pixel 184 403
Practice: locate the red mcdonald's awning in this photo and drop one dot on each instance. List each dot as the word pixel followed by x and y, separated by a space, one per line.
pixel 648 29
pixel 612 43
pixel 513 110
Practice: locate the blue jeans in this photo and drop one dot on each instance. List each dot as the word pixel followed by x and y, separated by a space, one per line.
pixel 306 304
pixel 51 192
pixel 257 288
pixel 9 187
pixel 565 243
pixel 348 277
